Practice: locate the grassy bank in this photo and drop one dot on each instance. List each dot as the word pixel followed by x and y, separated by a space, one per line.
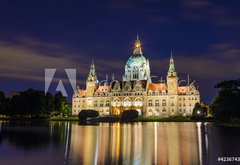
pixel 163 119
pixel 57 118
pixel 61 118
pixel 170 119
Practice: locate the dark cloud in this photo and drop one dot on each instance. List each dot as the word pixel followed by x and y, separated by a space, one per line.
pixel 25 61
pixel 215 13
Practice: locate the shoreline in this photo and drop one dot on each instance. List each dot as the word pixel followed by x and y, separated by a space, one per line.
pixel 109 119
pixel 115 119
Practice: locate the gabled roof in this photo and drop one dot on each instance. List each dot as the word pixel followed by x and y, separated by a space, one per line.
pixel 122 84
pixel 183 89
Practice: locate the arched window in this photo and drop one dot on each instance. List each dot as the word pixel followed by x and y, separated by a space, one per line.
pixel 164 103
pixel 164 110
pixel 138 102
pixel 95 103
pixel 107 103
pixel 150 103
pixel 172 104
pixel 116 102
pixel 101 103
pixel 127 102
pixel 157 103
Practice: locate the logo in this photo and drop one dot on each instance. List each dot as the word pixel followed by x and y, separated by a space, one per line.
pixel 49 75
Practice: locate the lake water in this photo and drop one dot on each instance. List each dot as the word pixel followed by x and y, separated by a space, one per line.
pixel 57 143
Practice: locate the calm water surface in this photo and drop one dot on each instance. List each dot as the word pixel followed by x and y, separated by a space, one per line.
pixel 58 143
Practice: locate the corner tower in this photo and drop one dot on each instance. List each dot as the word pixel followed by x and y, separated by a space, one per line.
pixel 172 79
pixel 91 82
pixel 137 66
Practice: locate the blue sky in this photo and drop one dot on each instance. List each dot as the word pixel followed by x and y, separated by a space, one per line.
pixel 203 35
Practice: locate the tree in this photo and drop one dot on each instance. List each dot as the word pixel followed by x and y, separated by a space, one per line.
pixel 49 103
pixel 205 109
pixel 226 106
pixel 129 115
pixel 29 102
pixel 61 105
pixel 84 114
pixel 199 112
pixel 2 103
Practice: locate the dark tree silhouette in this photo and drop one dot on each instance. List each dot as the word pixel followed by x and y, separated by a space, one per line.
pixel 226 106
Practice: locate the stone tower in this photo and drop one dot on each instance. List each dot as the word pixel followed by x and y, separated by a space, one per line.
pixel 91 82
pixel 172 79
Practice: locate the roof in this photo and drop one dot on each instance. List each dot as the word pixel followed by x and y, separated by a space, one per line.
pixel 122 83
pixel 103 88
pixel 137 60
pixel 81 92
pixel 157 86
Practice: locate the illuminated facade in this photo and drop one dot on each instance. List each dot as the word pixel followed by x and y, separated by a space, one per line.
pixel 137 91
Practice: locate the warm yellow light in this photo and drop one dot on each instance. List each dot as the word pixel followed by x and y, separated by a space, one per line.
pixel 137 45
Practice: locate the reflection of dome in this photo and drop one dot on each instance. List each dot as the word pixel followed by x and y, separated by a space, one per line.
pixel 136 60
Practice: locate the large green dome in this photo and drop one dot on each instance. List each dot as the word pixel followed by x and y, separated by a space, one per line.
pixel 137 60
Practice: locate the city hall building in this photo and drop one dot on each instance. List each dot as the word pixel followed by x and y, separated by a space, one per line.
pixel 137 91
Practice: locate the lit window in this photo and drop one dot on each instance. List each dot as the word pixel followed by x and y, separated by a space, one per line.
pixel 101 103
pixel 138 102
pixel 164 103
pixel 107 103
pixel 150 103
pixel 127 103
pixel 95 103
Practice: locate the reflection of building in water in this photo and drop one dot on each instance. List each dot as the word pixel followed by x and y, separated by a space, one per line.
pixel 137 91
pixel 138 143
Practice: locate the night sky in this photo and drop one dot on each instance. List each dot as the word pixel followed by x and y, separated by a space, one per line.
pixel 203 35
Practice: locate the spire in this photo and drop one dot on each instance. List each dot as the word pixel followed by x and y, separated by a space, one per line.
pixel 92 73
pixel 137 46
pixel 171 64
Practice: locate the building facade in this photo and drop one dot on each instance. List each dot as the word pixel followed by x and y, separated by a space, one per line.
pixel 137 91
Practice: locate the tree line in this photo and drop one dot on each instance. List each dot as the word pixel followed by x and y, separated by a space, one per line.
pixel 34 103
pixel 226 105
